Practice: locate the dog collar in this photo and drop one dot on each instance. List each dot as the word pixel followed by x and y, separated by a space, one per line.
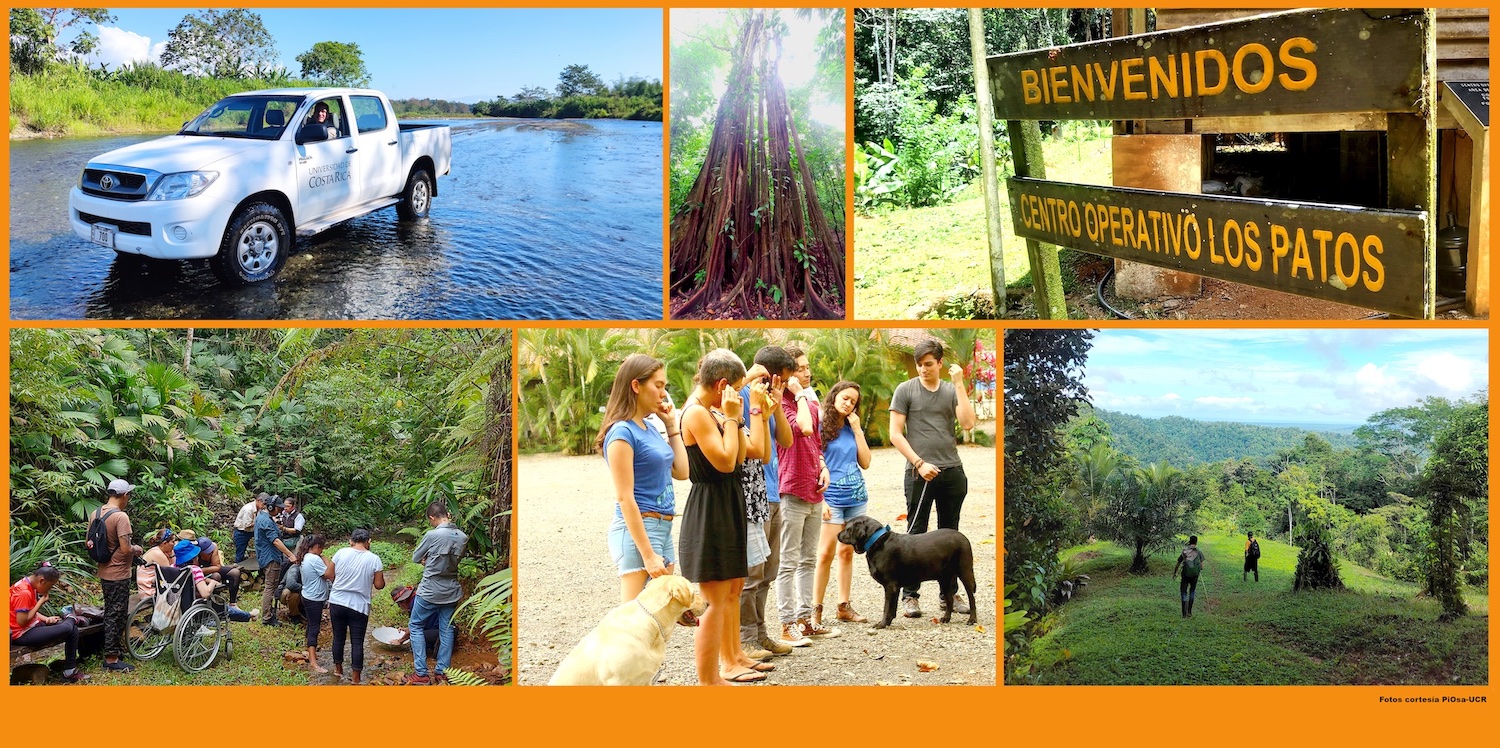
pixel 659 631
pixel 878 535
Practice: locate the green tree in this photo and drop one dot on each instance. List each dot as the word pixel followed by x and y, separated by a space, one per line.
pixel 578 80
pixel 1458 470
pixel 335 63
pixel 1151 507
pixel 35 34
pixel 230 43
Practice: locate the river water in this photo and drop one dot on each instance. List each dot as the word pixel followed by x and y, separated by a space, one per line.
pixel 538 220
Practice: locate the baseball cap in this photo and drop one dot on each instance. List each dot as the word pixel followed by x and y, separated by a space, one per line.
pixel 119 487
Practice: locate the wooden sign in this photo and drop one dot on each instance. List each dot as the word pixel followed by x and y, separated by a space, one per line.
pixel 1360 256
pixel 1298 62
pixel 1475 96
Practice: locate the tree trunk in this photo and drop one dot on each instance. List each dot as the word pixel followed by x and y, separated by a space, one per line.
pixel 187 351
pixel 1138 562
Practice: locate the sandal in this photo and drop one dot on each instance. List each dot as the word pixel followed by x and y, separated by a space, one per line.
pixel 762 667
pixel 749 676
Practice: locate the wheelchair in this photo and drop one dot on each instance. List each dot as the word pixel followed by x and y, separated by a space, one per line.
pixel 197 629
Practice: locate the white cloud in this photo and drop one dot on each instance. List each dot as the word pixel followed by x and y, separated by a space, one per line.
pixel 1212 401
pixel 118 47
pixel 1448 371
pixel 1171 396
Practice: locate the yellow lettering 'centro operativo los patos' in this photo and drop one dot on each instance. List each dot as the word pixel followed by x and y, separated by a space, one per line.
pixel 1339 259
pixel 1253 68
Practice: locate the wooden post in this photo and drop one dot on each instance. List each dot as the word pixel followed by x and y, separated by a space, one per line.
pixel 1477 293
pixel 987 158
pixel 1171 163
pixel 1411 153
pixel 1046 273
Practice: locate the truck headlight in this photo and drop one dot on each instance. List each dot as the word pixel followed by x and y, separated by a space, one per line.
pixel 182 184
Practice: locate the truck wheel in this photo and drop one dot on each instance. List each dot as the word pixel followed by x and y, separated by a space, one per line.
pixel 255 245
pixel 416 199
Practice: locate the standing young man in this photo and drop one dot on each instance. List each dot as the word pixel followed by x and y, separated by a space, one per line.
pixel 923 413
pixel 244 525
pixel 269 553
pixel 114 574
pixel 437 594
pixel 779 367
pixel 1191 562
pixel 1252 557
pixel 801 480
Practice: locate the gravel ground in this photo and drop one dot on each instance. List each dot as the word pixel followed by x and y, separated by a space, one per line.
pixel 566 583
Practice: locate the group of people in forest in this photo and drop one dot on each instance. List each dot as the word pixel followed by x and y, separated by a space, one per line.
pixel 1191 562
pixel 776 473
pixel 293 573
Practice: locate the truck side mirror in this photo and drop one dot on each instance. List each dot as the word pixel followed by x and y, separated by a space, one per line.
pixel 312 132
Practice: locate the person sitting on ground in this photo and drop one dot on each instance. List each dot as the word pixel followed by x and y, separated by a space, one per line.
pixel 290 591
pixel 30 628
pixel 1191 562
pixel 1252 557
pixel 185 553
pixel 158 553
pixel 212 561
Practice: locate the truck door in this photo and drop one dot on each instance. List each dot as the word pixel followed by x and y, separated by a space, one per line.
pixel 379 148
pixel 327 170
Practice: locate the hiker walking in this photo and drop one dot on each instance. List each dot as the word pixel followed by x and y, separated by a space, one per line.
pixel 1252 556
pixel 1191 563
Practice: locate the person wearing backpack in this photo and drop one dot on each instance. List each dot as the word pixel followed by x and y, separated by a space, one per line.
pixel 1252 556
pixel 1191 562
pixel 108 544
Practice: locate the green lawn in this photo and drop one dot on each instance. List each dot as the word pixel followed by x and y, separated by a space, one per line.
pixel 1128 629
pixel 258 650
pixel 902 257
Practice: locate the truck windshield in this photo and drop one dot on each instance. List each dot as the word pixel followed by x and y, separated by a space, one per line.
pixel 259 117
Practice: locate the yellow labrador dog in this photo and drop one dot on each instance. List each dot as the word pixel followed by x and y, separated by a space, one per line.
pixel 630 643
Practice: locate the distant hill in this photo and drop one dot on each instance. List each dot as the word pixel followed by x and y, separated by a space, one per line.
pixel 1183 441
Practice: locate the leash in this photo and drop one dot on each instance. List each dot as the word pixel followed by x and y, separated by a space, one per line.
pixel 659 632
pixel 911 519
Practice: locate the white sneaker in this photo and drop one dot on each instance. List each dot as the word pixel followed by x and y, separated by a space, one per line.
pixel 792 636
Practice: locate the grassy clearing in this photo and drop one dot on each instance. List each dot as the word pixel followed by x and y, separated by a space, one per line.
pixel 1128 629
pixel 65 101
pixel 902 257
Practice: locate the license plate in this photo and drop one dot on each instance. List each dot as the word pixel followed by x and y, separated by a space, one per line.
pixel 104 236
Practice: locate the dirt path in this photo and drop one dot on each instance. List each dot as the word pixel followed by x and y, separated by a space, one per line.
pixel 566 582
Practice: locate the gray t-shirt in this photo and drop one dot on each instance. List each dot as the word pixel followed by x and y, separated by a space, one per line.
pixel 930 417
pixel 439 553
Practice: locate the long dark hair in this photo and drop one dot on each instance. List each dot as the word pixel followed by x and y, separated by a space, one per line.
pixel 622 399
pixel 833 420
pixel 307 545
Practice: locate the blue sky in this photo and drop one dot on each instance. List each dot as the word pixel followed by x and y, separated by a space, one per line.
pixel 455 54
pixel 1287 376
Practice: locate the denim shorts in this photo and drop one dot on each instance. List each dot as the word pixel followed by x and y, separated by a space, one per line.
pixel 757 547
pixel 839 515
pixel 627 557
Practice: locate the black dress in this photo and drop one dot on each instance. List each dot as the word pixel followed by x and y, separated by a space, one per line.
pixel 712 540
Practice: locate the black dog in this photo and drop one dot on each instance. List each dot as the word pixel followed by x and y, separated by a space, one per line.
pixel 898 560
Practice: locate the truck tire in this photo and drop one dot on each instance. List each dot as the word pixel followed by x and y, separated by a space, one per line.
pixel 416 199
pixel 254 247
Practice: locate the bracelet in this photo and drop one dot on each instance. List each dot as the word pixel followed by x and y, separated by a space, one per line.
pixel 671 434
pixel 918 464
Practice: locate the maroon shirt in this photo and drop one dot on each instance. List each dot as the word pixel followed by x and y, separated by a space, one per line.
pixel 799 465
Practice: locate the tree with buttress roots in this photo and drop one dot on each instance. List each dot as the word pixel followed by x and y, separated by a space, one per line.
pixel 751 239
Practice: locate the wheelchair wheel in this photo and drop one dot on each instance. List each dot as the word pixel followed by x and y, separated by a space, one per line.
pixel 201 634
pixel 142 639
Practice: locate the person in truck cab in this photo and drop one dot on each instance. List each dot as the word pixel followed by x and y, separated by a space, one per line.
pixel 322 116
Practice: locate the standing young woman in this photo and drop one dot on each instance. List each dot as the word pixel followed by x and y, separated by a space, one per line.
pixel 355 572
pixel 846 453
pixel 642 463
pixel 714 531
pixel 314 594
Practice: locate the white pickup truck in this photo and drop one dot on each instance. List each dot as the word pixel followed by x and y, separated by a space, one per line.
pixel 255 170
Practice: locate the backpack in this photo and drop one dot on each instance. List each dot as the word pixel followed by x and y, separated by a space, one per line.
pixel 1192 563
pixel 98 536
pixel 1254 549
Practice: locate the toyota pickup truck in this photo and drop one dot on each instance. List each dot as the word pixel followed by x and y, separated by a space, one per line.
pixel 240 181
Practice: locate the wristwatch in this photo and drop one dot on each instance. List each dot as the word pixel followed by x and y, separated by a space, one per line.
pixel 755 411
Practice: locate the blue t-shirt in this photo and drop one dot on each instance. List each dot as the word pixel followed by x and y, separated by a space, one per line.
pixel 846 483
pixel 652 459
pixel 773 478
pixel 266 535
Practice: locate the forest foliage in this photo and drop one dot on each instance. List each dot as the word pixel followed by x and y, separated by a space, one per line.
pixel 365 426
pixel 565 376
pixel 1185 441
pixel 580 93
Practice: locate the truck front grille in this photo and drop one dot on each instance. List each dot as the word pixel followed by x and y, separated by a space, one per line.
pixel 139 228
pixel 114 185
